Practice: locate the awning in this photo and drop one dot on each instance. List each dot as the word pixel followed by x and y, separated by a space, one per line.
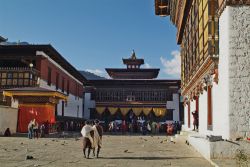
pixel 112 110
pixel 100 110
pixel 34 92
pixel 124 110
pixel 146 111
pixel 159 112
pixel 137 111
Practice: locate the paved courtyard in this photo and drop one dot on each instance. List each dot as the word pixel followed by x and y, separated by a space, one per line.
pixel 118 151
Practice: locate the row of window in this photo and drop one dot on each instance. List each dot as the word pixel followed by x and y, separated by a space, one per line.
pixel 17 79
pixel 162 96
pixel 49 82
pixel 133 66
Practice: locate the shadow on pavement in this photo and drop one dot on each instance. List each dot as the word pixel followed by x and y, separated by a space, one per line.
pixel 148 158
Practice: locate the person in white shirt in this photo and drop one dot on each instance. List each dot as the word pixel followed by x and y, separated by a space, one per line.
pixel 87 134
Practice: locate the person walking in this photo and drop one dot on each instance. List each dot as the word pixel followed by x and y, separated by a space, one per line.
pixel 98 132
pixel 87 135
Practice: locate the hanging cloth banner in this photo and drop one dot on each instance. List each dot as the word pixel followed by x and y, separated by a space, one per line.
pixel 100 110
pixel 124 111
pixel 146 111
pixel 112 110
pixel 137 111
pixel 159 112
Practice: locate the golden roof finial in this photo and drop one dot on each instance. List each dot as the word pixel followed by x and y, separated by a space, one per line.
pixel 133 56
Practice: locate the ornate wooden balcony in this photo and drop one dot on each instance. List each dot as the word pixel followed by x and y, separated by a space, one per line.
pixel 13 77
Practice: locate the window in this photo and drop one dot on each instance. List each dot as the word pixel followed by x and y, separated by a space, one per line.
pixel 56 110
pixel 188 114
pixel 77 110
pixel 62 108
pixel 57 81
pixel 67 87
pixel 76 91
pixel 9 80
pixel 169 115
pixel 130 98
pixel 92 96
pixel 62 84
pixel 49 76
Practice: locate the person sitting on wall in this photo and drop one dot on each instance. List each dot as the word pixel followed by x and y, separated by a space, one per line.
pixel 7 132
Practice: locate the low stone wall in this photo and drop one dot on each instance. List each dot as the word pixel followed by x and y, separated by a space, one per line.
pixel 218 149
pixel 8 119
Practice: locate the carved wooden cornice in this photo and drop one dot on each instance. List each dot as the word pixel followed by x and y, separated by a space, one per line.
pixel 224 3
pixel 196 84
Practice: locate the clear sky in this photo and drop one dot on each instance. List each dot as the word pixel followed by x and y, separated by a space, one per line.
pixel 95 34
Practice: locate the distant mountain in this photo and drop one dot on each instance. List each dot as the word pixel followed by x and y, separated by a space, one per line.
pixel 14 43
pixel 91 76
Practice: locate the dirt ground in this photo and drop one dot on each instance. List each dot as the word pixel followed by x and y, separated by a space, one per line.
pixel 117 151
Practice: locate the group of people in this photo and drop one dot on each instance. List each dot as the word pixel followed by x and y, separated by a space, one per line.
pixel 144 127
pixel 34 130
pixel 92 137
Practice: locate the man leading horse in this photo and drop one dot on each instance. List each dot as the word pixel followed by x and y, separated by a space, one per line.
pixel 92 137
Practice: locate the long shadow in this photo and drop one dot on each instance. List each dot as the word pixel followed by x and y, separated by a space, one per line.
pixel 149 158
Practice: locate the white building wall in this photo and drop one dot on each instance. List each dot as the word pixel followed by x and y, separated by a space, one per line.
pixel 11 121
pixel 88 103
pixel 185 125
pixel 192 108
pixel 203 114
pixel 220 92
pixel 70 109
pixel 175 105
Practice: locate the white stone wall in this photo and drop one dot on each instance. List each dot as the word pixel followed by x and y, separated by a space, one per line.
pixel 70 109
pixel 220 92
pixel 175 105
pixel 239 70
pixel 8 119
pixel 192 108
pixel 88 103
pixel 185 125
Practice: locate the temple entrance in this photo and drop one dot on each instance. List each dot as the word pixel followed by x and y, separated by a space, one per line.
pixel 35 104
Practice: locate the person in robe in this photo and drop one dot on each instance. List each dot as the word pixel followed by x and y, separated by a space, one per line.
pixel 98 132
pixel 195 120
pixel 87 134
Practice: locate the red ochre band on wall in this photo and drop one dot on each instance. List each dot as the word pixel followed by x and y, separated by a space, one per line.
pixel 40 112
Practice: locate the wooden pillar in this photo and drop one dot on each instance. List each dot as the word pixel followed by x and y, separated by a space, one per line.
pixel 189 114
pixel 209 109
pixel 197 103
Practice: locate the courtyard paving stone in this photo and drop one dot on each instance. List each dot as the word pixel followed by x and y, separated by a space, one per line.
pixel 117 151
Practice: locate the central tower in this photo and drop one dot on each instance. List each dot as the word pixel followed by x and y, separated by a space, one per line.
pixel 133 70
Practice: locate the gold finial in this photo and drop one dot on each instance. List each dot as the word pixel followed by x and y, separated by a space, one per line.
pixel 133 56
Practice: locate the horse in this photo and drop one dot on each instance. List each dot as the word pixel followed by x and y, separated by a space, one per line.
pixel 87 144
